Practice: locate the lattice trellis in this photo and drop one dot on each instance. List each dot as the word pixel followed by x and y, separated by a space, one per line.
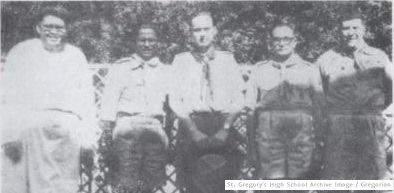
pixel 94 172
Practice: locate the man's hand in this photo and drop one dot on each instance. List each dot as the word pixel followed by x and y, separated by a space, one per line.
pixel 221 135
pixel 196 134
pixel 13 150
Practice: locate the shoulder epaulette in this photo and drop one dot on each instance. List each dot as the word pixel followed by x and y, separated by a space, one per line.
pixel 124 60
pixel 129 62
pixel 262 63
pixel 372 51
pixel 328 55
pixel 225 52
pixel 304 62
pixel 182 54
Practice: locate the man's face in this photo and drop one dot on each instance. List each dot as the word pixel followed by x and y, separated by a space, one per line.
pixel 283 41
pixel 52 31
pixel 146 43
pixel 203 31
pixel 353 31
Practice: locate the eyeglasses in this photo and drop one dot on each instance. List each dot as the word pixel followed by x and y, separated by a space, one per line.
pixel 49 27
pixel 285 40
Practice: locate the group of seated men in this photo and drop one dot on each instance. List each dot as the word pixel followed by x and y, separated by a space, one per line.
pixel 306 121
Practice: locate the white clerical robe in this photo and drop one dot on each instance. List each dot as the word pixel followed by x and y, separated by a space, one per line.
pixel 48 106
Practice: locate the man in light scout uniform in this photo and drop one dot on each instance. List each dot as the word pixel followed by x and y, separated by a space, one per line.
pixel 47 105
pixel 133 103
pixel 285 93
pixel 354 80
pixel 206 96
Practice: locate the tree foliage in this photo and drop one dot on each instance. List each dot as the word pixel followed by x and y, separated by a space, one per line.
pixel 106 30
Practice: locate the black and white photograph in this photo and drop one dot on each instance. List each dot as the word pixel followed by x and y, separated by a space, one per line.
pixel 180 96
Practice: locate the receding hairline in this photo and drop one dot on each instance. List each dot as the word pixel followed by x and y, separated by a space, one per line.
pixel 350 19
pixel 283 26
pixel 142 29
pixel 202 14
pixel 52 15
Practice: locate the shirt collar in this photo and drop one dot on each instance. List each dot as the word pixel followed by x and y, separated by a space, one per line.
pixel 293 60
pixel 209 55
pixel 344 50
pixel 141 63
pixel 365 49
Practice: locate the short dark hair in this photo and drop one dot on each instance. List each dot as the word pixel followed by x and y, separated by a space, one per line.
pixel 58 11
pixel 350 14
pixel 148 26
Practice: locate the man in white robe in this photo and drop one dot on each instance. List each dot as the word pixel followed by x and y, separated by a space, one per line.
pixel 47 110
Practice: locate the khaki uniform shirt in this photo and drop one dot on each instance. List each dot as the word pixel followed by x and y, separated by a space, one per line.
pixel 135 86
pixel 292 84
pixel 354 82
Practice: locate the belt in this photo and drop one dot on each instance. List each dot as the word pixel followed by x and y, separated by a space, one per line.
pixel 355 111
pixel 202 113
pixel 294 109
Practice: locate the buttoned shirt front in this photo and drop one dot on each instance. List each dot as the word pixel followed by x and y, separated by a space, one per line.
pixel 291 84
pixel 135 86
pixel 206 82
pixel 355 81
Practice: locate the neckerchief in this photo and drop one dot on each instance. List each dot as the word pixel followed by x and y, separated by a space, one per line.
pixel 206 93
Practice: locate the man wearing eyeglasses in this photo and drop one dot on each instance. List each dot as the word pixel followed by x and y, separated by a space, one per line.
pixel 47 110
pixel 206 96
pixel 285 93
pixel 132 105
pixel 356 79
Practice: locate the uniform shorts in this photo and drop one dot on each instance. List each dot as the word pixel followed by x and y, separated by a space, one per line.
pixel 284 141
pixel 355 148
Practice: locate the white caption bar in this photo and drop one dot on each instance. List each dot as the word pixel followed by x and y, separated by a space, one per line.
pixel 309 185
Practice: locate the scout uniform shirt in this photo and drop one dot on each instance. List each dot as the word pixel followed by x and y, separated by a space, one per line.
pixel 354 90
pixel 287 93
pixel 206 82
pixel 134 86
pixel 134 97
pixel 354 82
pixel 292 84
